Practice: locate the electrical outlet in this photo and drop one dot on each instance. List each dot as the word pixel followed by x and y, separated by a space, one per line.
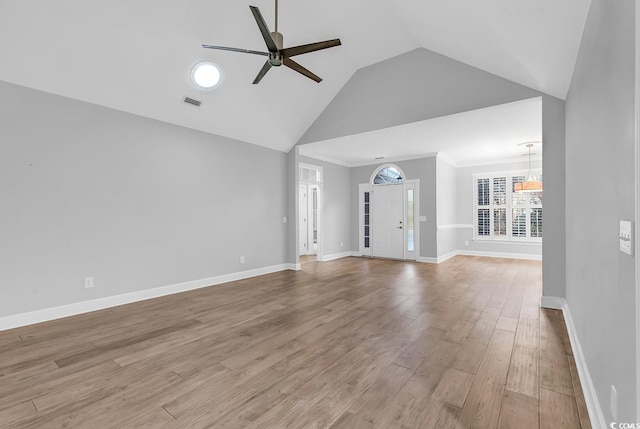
pixel 466 242
pixel 613 403
pixel 341 244
pixel 88 282
pixel 284 219
pixel 242 259
pixel 626 237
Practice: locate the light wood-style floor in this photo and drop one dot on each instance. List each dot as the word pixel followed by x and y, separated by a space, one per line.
pixel 353 343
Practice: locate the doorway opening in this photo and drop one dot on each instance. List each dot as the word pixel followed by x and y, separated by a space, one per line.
pixel 388 210
pixel 309 203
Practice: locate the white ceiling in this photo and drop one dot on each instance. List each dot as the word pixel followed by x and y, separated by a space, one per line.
pixel 136 56
pixel 483 136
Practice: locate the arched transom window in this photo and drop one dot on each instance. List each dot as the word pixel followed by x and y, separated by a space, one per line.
pixel 388 175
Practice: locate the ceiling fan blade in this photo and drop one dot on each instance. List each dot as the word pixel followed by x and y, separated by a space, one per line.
pixel 311 47
pixel 297 67
pixel 245 51
pixel 265 68
pixel 266 34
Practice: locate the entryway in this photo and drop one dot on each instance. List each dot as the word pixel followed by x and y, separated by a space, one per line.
pixel 388 210
pixel 308 235
pixel 309 213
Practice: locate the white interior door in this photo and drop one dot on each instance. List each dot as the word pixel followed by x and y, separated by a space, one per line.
pixel 303 228
pixel 387 239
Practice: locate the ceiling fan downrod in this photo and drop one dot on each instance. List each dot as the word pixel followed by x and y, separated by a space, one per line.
pixel 277 37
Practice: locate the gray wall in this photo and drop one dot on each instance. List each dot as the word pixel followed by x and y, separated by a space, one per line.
pixel 292 206
pixel 446 206
pixel 132 202
pixel 465 198
pixel 600 116
pixel 553 157
pixel 414 86
pixel 336 206
pixel 423 169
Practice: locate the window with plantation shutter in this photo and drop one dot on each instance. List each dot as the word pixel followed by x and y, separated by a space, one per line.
pixel 500 222
pixel 501 213
pixel 536 222
pixel 484 228
pixel 483 192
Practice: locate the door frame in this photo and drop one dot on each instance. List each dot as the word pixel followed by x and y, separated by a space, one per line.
pixel 413 184
pixel 320 194
pixel 308 189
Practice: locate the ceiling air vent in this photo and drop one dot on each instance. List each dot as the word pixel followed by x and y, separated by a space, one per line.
pixel 192 101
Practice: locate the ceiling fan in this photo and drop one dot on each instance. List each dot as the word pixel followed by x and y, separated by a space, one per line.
pixel 277 54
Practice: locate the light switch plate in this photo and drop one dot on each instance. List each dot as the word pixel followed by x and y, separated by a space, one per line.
pixel 423 218
pixel 626 237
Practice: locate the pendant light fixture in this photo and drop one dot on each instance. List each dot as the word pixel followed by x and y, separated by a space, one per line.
pixel 531 184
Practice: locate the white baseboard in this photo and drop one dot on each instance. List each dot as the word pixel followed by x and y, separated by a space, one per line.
pixel 294 267
pixel 47 314
pixel 427 260
pixel 552 302
pixel 454 226
pixel 438 260
pixel 588 389
pixel 501 255
pixel 335 256
pixel 450 255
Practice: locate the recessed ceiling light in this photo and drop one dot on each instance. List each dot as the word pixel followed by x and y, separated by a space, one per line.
pixel 206 75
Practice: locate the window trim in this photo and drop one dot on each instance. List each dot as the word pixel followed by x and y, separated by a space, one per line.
pixel 382 167
pixel 508 238
pixel 316 168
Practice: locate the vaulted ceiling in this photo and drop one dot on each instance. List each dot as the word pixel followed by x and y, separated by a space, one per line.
pixel 136 56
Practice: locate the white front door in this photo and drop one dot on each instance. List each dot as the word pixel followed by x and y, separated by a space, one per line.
pixel 387 238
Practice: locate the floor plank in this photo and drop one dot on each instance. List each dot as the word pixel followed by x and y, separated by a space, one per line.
pixel 583 413
pixel 17 412
pixel 558 411
pixel 454 387
pixel 518 411
pixel 523 371
pixel 507 324
pixel 555 374
pixel 370 403
pixel 439 415
pixel 482 407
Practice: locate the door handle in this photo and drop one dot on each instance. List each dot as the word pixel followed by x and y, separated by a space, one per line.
pixel 400 227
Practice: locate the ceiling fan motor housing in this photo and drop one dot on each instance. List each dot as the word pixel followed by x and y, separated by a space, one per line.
pixel 279 39
pixel 274 57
